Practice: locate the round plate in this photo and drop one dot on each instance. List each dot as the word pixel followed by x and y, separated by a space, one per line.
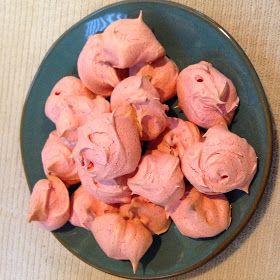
pixel 188 37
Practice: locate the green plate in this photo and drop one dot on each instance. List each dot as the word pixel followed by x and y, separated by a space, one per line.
pixel 188 37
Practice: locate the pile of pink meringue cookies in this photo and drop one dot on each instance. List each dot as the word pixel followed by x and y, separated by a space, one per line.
pixel 129 193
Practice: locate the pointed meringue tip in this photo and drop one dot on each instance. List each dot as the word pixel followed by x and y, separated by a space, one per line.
pixel 205 63
pixel 245 189
pixel 134 266
pixel 32 217
pixel 140 17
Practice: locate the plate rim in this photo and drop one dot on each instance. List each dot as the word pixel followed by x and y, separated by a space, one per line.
pixel 268 122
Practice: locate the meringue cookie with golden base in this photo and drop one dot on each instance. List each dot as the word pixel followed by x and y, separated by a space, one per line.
pixel 121 239
pixel 178 137
pixel 49 204
pixel 151 215
pixel 163 74
pixel 199 215
pixel 144 98
pixel 85 207
pixel 222 162
pixel 206 96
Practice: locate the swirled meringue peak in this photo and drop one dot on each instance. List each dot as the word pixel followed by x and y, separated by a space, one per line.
pixel 127 42
pixel 159 179
pixel 206 96
pixel 151 215
pixel 199 215
pixel 69 110
pixel 99 77
pixel 85 207
pixel 108 146
pixel 163 74
pixel 58 161
pixel 144 98
pixel 221 163
pixel 121 239
pixel 49 203
pixel 178 137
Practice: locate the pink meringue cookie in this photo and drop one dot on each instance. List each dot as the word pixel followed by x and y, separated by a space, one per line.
pixel 151 215
pixel 163 74
pixel 58 161
pixel 108 146
pixel 49 203
pixel 65 87
pixel 85 207
pixel 70 109
pixel 127 42
pixel 221 163
pixel 144 98
pixel 109 191
pixel 159 179
pixel 121 239
pixel 206 96
pixel 70 86
pixel 99 77
pixel 199 215
pixel 178 137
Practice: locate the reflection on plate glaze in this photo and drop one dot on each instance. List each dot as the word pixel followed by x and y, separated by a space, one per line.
pixel 100 23
pixel 224 32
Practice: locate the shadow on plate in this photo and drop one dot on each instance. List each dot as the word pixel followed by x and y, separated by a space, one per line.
pixel 150 254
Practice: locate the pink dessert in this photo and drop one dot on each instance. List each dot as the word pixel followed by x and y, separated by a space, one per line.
pixel 49 205
pixel 69 86
pixel 108 146
pixel 121 239
pixel 151 215
pixel 141 94
pixel 58 161
pixel 163 74
pixel 159 178
pixel 65 87
pixel 127 42
pixel 221 163
pixel 206 96
pixel 70 109
pixel 99 77
pixel 178 137
pixel 85 207
pixel 199 215
pixel 109 191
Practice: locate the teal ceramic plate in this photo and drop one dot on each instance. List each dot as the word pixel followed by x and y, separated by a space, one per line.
pixel 188 37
